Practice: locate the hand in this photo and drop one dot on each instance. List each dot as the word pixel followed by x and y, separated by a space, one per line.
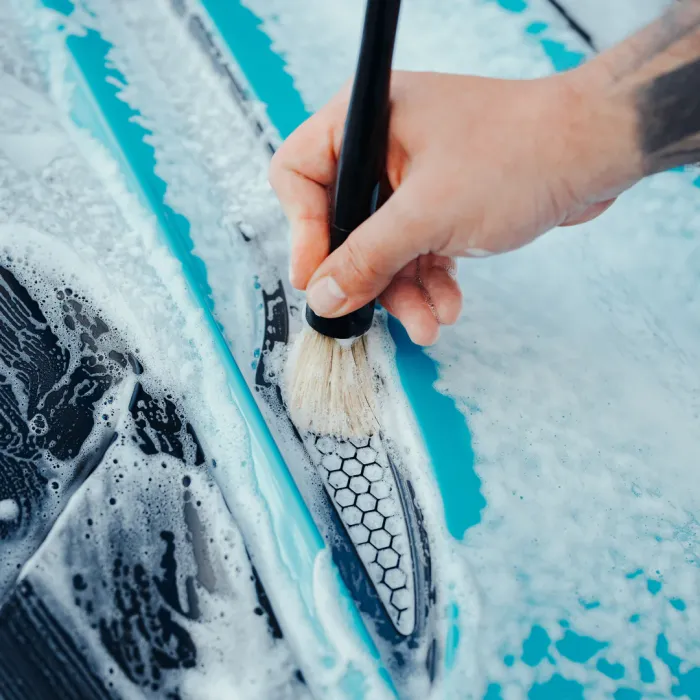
pixel 478 166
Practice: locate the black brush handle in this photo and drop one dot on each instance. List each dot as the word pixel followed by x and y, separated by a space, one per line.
pixel 362 159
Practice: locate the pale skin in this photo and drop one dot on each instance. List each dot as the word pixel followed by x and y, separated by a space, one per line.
pixel 482 166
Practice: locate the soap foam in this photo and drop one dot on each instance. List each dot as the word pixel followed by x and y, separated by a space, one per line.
pixel 574 364
pixel 69 221
pixel 92 211
pixel 224 193
pixel 9 509
pixel 232 646
pixel 554 331
pixel 190 119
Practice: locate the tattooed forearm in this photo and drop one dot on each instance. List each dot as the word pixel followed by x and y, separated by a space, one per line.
pixel 669 118
pixel 657 71
pixel 677 24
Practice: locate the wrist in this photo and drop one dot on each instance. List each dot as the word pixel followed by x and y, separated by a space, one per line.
pixel 601 133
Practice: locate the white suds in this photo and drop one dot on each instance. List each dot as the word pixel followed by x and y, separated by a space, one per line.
pixel 215 171
pixel 70 220
pixel 574 365
pixel 9 510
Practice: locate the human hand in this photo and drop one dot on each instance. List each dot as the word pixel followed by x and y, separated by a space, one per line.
pixel 478 166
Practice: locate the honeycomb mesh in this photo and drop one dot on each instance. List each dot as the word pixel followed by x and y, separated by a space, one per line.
pixel 361 484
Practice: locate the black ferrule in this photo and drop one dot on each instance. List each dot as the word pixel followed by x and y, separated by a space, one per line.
pixel 362 160
pixel 351 325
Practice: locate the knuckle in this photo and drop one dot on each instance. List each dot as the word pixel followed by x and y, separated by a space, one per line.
pixel 309 215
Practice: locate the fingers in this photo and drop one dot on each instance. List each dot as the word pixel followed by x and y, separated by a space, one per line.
pixel 406 300
pixel 301 172
pixel 424 296
pixel 444 293
pixel 362 268
pixel 426 261
pixel 309 226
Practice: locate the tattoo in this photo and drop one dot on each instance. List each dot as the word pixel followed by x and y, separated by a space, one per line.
pixel 669 118
pixel 662 62
pixel 675 24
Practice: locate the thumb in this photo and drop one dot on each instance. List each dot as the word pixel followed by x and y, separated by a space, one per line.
pixel 362 268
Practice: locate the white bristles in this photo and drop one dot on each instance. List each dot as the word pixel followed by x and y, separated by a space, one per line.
pixel 330 386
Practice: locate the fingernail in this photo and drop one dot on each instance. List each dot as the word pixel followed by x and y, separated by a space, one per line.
pixel 325 296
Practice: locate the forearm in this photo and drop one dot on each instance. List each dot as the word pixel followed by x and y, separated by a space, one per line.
pixel 655 77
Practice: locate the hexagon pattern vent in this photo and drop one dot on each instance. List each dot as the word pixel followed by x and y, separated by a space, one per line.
pixel 361 484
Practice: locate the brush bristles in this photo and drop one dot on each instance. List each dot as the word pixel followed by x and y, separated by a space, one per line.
pixel 330 386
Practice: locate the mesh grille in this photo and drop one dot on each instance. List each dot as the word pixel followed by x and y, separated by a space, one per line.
pixel 361 484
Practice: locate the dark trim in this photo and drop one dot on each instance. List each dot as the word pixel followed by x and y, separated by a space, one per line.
pixel 585 35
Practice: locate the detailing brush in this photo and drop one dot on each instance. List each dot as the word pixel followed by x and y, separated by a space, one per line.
pixel 330 381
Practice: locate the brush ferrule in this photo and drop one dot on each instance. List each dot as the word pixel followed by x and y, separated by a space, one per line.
pixel 352 325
